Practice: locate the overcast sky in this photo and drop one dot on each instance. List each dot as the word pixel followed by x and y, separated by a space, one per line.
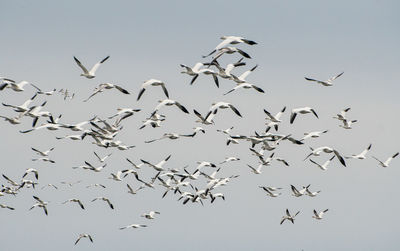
pixel 149 40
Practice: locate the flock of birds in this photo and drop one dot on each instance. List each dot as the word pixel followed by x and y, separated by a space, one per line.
pixel 189 186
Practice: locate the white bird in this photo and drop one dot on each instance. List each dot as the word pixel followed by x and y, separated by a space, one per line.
pixel 224 105
pixel 298 193
pixel 342 115
pixel 133 226
pixel 7 207
pixel 386 163
pixel 106 86
pixel 325 165
pixel 36 112
pixel 170 136
pixel 152 82
pixel 43 153
pixel 312 194
pixel 226 72
pixel 289 217
pixel 159 166
pixel 131 191
pixel 318 216
pixel 207 120
pixel 229 159
pixel 254 170
pixel 75 200
pixel 102 159
pixel 229 50
pixel 301 110
pixel 15 87
pixel 84 236
pixel 231 40
pixel 31 170
pixel 24 107
pixel 92 168
pixel 325 82
pixel 14 120
pixel 347 123
pixel 196 71
pixel 39 91
pixel 360 155
pixel 170 102
pixel 245 86
pixel 242 78
pixel 270 192
pixel 90 74
pixel 314 134
pixel 106 200
pixel 96 185
pixel 326 149
pixel 40 203
pixel 213 196
pixel 150 215
pixel 45 159
pixel 274 120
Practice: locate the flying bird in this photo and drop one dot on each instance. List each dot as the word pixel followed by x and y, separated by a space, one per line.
pixel 90 74
pixel 325 82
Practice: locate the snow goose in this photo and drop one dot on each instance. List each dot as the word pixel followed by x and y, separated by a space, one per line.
pixel 289 217
pixel 102 159
pixel 152 82
pixel 298 193
pixel 270 192
pixel 274 120
pixel 6 207
pixel 325 165
pixel 342 115
pixel 15 87
pixel 150 215
pixel 39 91
pixel 133 226
pixel 386 163
pixel 170 102
pixel 347 123
pixel 196 71
pixel 245 86
pixel 23 107
pixel 31 170
pixel 318 216
pixel 231 40
pixel 43 153
pixel 224 105
pixel 106 200
pixel 76 201
pixel 326 149
pixel 106 86
pixel 159 166
pixel 84 236
pixel 40 203
pixel 90 74
pixel 301 110
pixel 360 155
pixel 325 82
pixel 314 134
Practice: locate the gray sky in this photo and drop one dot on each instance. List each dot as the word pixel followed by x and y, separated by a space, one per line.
pixel 150 40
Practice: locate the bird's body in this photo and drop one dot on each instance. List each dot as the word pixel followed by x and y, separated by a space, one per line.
pixel 90 74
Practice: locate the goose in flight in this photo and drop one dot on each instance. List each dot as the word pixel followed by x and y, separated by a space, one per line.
pixel 360 155
pixel 15 87
pixel 14 120
pixel 226 72
pixel 245 86
pixel 106 200
pixel 207 120
pixel 102 159
pixel 347 123
pixel 170 136
pixel 45 159
pixel 326 82
pixel 159 166
pixel 133 226
pixel 7 207
pixel 270 192
pixel 170 102
pixel 196 71
pixel 325 165
pixel 326 149
pixel 49 185
pixel 254 170
pixel 40 203
pixel 75 200
pixel 231 40
pixel 224 105
pixel 242 78
pixel 387 162
pixel 342 115
pixel 298 193
pixel 301 110
pixel 23 107
pixel 318 216
pixel 229 159
pixel 90 74
pixel 229 50
pixel 314 134
pixel 312 194
pixel 150 215
pixel 289 217
pixel 106 86
pixel 43 153
pixel 84 236
pixel 274 120
pixel 51 125
pixel 36 112
pixel 39 91
pixel 152 82
pixel 31 170
pixel 88 166
pixel 132 191
pixel 96 185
